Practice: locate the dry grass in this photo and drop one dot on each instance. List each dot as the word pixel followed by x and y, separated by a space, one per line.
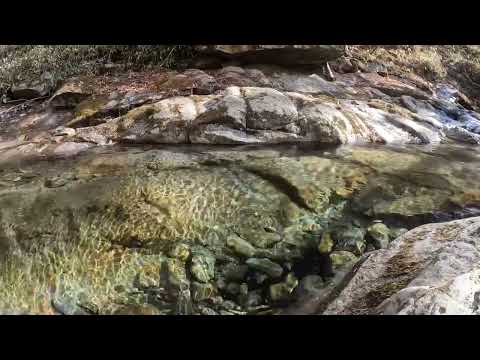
pixel 432 62
pixel 424 60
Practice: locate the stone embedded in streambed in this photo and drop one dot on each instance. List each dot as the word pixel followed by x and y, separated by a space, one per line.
pixel 266 266
pixel 349 238
pixel 379 234
pixel 281 292
pixel 202 266
pixel 262 239
pixel 234 272
pixel 341 258
pixel 175 275
pixel 254 298
pixel 133 309
pixel 326 243
pixel 240 246
pixel 180 251
pixel 201 291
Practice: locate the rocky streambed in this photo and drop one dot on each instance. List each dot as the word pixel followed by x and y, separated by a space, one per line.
pixel 292 229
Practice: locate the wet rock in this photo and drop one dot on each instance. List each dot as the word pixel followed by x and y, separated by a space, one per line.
pixel 459 134
pixel 67 306
pixel 263 239
pixel 380 235
pixel 180 251
pixel 340 258
pixel 266 266
pixel 148 274
pixel 430 270
pixel 145 309
pixel 175 275
pixel 282 292
pixel 234 272
pixel 202 291
pixel 326 244
pixel 202 266
pixel 350 238
pixel 59 180
pixel 240 246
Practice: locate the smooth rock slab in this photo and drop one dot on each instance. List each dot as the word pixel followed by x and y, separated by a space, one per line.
pixel 432 269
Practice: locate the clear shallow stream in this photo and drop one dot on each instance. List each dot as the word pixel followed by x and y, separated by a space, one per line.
pixel 98 230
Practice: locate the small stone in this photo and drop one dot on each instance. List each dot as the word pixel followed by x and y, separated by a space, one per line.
pixel 145 309
pixel 264 239
pixel 203 267
pixel 380 235
pixel 283 291
pixel 351 239
pixel 326 244
pixel 202 292
pixel 266 266
pixel 235 272
pixel 148 274
pixel 240 246
pixel 340 258
pixel 175 274
pixel 180 251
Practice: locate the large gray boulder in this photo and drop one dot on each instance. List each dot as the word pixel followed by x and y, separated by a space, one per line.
pixel 431 270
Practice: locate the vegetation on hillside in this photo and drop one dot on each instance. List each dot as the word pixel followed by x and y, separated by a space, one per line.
pixel 25 62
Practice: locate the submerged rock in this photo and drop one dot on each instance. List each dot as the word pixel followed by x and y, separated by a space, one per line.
pixel 340 258
pixel 380 235
pixel 240 246
pixel 203 266
pixel 266 266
